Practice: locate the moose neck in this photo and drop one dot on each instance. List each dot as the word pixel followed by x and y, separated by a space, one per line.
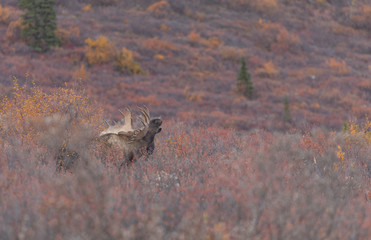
pixel 150 136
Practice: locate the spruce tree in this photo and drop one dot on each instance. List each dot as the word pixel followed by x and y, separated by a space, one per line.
pixel 286 109
pixel 40 23
pixel 244 84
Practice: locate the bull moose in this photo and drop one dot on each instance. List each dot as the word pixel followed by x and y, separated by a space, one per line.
pixel 133 141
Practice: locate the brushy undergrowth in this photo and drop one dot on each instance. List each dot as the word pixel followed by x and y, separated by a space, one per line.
pixel 200 183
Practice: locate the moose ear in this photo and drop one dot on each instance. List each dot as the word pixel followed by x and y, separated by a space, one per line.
pixel 159 130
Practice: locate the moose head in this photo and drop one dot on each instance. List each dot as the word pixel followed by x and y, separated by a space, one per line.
pixel 133 141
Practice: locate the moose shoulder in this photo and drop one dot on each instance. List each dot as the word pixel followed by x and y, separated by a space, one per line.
pixel 133 140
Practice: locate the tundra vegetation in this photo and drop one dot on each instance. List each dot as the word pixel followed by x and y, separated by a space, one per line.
pixel 200 182
pixel 225 166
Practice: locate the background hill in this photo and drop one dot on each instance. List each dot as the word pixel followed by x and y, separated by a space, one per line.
pixel 314 52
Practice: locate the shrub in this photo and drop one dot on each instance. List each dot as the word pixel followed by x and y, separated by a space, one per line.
pixel 265 5
pixel 196 15
pixel 13 32
pixel 158 45
pixel 59 125
pixel 275 37
pixel 4 14
pixel 99 51
pixel 231 53
pixel 27 104
pixel 358 134
pixel 337 66
pixel 341 29
pixel 160 9
pixel 362 19
pixel 354 150
pixel 125 63
pixel 87 8
pixel 159 57
pixel 365 86
pixel 213 42
pixel 191 96
pixel 81 74
pixel 268 70
pixel 196 39
pixel 65 35
pixel 285 41
pixel 165 28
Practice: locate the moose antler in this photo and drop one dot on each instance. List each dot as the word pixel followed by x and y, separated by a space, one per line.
pixel 137 134
pixel 116 128
pixel 125 127
pixel 128 121
pixel 145 118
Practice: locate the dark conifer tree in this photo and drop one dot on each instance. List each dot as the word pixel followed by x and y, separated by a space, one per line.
pixel 286 110
pixel 40 23
pixel 244 84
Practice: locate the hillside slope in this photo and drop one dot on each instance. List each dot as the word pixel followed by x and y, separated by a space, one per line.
pixel 314 52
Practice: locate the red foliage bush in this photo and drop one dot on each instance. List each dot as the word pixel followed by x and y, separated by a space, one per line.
pixel 275 37
pixel 362 17
pixel 160 9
